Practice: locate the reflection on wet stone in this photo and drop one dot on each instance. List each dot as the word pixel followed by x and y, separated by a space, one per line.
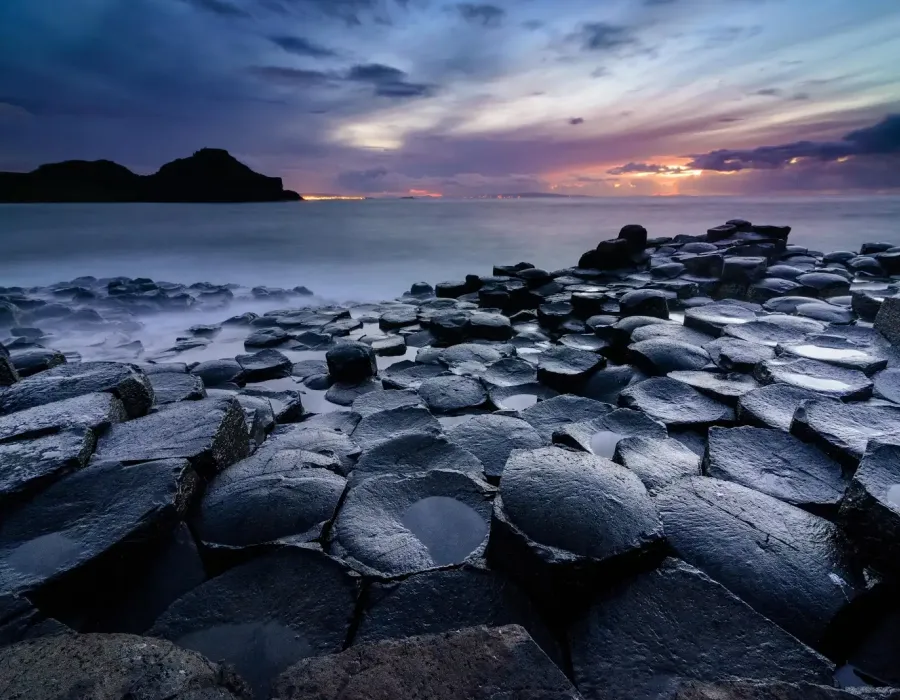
pixel 604 443
pixel 449 529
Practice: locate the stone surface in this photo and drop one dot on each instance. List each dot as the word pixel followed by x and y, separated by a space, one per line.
pixel 414 452
pixel 263 616
pixel 565 369
pixel 28 466
pixel 659 356
pixel 736 355
pixel 112 667
pixel 453 393
pixel 645 635
pixel 468 663
pixel 379 427
pixel 787 564
pixel 657 462
pixel 351 362
pixel 264 365
pixel 773 406
pixel 552 414
pixel 713 318
pixel 94 411
pixel 725 387
pixel 491 438
pixel 846 384
pixel 211 434
pixel 215 373
pixel 329 438
pixel 34 360
pixel 172 387
pixel 600 436
pixel 675 404
pixel 774 690
pixel 888 320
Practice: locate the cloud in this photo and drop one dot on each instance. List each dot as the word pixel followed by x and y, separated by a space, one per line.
pixel 575 121
pixel 656 169
pixel 485 15
pixel 372 180
pixel 300 46
pixel 603 36
pixel 388 81
pixel 283 74
pixel 768 92
pixel 881 139
pixel 219 7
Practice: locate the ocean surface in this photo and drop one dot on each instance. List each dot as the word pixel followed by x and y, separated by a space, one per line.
pixel 372 250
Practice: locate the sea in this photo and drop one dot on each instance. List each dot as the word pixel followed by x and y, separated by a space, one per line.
pixel 374 249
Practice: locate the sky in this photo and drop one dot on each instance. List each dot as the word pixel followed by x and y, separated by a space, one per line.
pixel 375 97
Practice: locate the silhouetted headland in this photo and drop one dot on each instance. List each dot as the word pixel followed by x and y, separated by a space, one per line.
pixel 210 175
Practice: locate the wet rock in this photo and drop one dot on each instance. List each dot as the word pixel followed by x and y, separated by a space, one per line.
pixel 826 313
pixel 887 385
pixel 659 356
pixel 566 369
pixel 843 430
pixel 846 384
pixel 778 464
pixel 263 616
pixel 658 462
pixel 675 404
pixel 713 318
pixel 171 387
pixel 772 287
pixel 452 393
pixel 772 690
pixel 267 338
pixel 210 433
pixel 552 414
pixel 774 330
pixel 216 373
pixel 888 320
pixel 865 304
pixel 839 351
pixel 607 384
pixel 635 235
pixel 824 284
pixel 743 270
pixel 645 302
pixel 342 394
pixel 394 525
pixel 490 326
pixel 28 466
pixel 772 406
pixel 467 663
pixel 724 387
pixel 491 438
pixel 468 359
pixel 601 435
pixel 398 317
pixel 8 373
pixel 520 396
pixel 351 362
pixel 787 564
pixel 450 290
pixel 449 327
pixel 94 411
pixel 870 511
pixel 377 401
pixel 125 382
pixel 392 346
pixel 414 452
pixel 735 355
pixel 645 635
pixel 313 436
pixel 111 667
pixel 672 331
pixel 264 365
pixel 20 621
pixel 510 371
pixel 35 360
pixel 379 426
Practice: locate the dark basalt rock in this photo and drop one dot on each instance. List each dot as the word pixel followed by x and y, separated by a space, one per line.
pixel 675 404
pixel 644 636
pixel 264 365
pixel 839 351
pixel 607 384
pixel 8 373
pixel 773 406
pixel 735 355
pixel 392 346
pixel 774 330
pixel 824 284
pixel 286 406
pixel 35 360
pixel 658 462
pixel 216 373
pixel 94 411
pixel 660 356
pixel 342 394
pixel 263 616
pixel 205 331
pixel 413 452
pixel 20 621
pixel 887 385
pixel 351 362
pixel 870 511
pixel 635 235
pixel 566 369
pixel 550 415
pixel 78 540
pixel 645 302
pixel 452 393
pixel 673 331
pixel 584 341
pixel 787 564
pixel 564 520
pixel 210 433
pixel 772 287
pixel 773 690
pixel 601 435
pixel 398 317
pixel 267 338
pixel 866 304
pixel 377 401
pixel 395 525
pixel 519 397
pixel 843 430
pixel 289 497
pixel 510 371
pixel 314 437
pixel 775 463
pixel 713 318
pixel 171 387
pixel 491 438
pixel 111 667
pixel 826 313
pixel 727 388
pixel 28 466
pixel 467 663
pixel 888 320
pixel 846 384
pixel 490 326
pixel 125 382
pixel 743 270
pixel 467 358
pixel 376 428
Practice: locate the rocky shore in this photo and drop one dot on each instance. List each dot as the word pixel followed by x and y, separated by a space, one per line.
pixel 671 471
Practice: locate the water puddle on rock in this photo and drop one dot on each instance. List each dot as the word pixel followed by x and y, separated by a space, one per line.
pixel 315 402
pixel 258 650
pixel 603 443
pixel 519 402
pixel 814 383
pixel 817 352
pixel 450 422
pixel 45 555
pixel 677 317
pixel 893 496
pixel 450 530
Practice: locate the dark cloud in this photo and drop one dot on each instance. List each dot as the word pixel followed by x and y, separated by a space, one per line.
pixel 603 36
pixel 634 168
pixel 372 180
pixel 219 7
pixel 295 76
pixel 388 81
pixel 881 139
pixel 352 12
pixel 575 121
pixel 800 96
pixel 302 47
pixel 769 92
pixel 483 14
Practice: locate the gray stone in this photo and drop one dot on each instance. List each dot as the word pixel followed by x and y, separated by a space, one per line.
pixel 215 373
pixel 264 365
pixel 491 438
pixel 659 356
pixel 171 387
pixel 414 452
pixel 550 415
pixel 28 466
pixel 94 411
pixel 657 462
pixel 600 436
pixel 773 406
pixel 725 387
pixel 34 360
pixel 453 393
pixel 825 379
pixel 675 404
pixel 888 320
pixel 381 426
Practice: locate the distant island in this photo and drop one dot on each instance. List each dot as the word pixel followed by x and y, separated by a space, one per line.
pixel 210 175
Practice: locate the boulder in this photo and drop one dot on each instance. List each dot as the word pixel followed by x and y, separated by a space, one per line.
pixel 635 235
pixel 264 615
pixel 264 365
pixel 125 382
pixel 659 356
pixel 787 564
pixel 351 362
pixel 645 302
pixel 888 320
pixel 216 373
pixel 413 452
pixel 267 338
pixel 549 415
pixel 468 663
pixel 600 436
pixel 675 404
pixel 645 635
pixel 566 369
pixel 772 406
pixel 210 433
pixel 837 382
pixel 491 438
pixel 658 462
pixel 34 360
pixel 94 411
pixel 172 387
pixel 452 393
pixel 824 284
pixel 490 326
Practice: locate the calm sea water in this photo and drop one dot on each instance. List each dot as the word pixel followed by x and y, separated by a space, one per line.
pixel 372 250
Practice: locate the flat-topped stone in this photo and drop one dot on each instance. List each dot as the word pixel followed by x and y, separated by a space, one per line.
pixel 172 387
pixel 658 462
pixel 773 405
pixel 825 379
pixel 551 414
pixel 725 387
pixel 415 452
pixel 600 436
pixel 492 438
pixel 675 404
pixel 94 411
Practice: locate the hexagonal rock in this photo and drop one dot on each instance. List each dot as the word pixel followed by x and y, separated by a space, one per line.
pixel 111 667
pixel 660 356
pixel 675 404
pixel 643 637
pixel 215 373
pixel 395 525
pixel 645 302
pixel 211 434
pixel 413 452
pixel 172 387
pixel 843 430
pixel 657 462
pixel 351 362
pixel 267 338
pixel 35 360
pixel 887 385
pixel 565 520
pixel 888 320
pixel 490 326
pixel 264 615
pixel 773 406
pixel 398 317
pixel 80 536
pixel 382 426
pixel 491 438
pixel 314 437
pixel 725 387
pixel 713 318
pixel 870 511
pixel 94 411
pixel 125 382
pixel 839 351
pixel 469 358
pixel 550 415
pixel 444 601
pixel 264 365
pixel 787 564
pixel 774 330
pixel 601 435
pixel 736 355
pixel 28 466
pixel 510 371
pixel 566 369
pixel 778 464
pixel 824 284
pixel 453 393
pixel 838 382
pixel 410 375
